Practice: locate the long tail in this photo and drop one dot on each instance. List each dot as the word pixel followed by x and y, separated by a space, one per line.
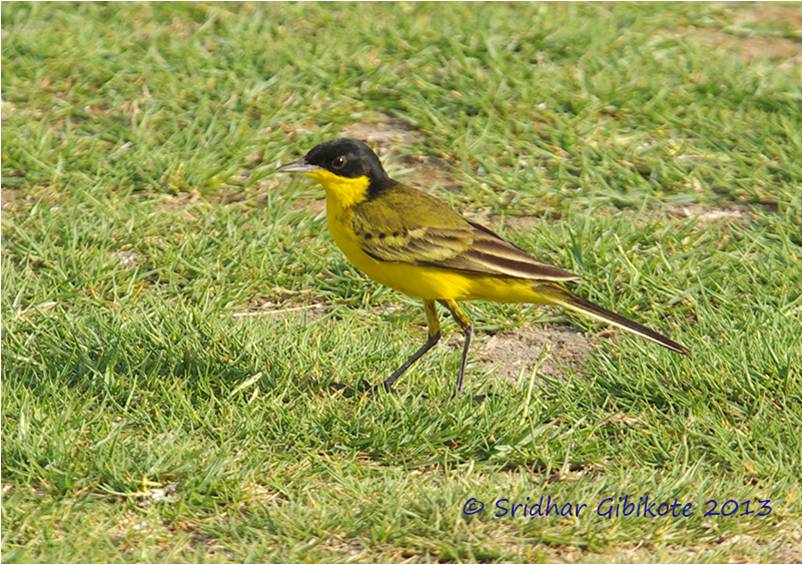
pixel 562 297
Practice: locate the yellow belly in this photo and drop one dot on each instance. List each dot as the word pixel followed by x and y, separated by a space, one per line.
pixel 429 283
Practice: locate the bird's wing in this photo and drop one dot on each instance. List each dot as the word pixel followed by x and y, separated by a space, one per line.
pixel 408 226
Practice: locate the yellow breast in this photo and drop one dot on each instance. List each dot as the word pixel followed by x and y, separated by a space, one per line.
pixel 413 280
pixel 418 281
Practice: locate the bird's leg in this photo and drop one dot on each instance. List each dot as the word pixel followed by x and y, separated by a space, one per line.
pixel 433 335
pixel 465 323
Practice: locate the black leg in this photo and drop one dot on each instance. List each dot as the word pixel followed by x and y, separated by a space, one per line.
pixel 434 334
pixel 466 344
pixel 431 341
pixel 465 323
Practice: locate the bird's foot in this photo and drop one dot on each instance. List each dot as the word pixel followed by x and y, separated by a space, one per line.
pixel 364 387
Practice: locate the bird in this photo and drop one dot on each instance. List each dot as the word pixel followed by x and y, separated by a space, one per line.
pixel 417 244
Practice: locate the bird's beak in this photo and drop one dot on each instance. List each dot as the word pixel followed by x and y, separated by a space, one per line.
pixel 300 166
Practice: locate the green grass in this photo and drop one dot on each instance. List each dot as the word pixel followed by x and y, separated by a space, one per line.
pixel 137 221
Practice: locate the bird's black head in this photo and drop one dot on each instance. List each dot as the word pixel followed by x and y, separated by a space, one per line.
pixel 345 158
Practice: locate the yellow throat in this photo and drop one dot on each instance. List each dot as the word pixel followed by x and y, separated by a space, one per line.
pixel 344 191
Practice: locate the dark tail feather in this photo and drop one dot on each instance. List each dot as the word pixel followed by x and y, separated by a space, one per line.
pixel 562 297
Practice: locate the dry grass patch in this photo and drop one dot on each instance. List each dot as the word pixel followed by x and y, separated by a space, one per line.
pixel 282 303
pixel 24 199
pixel 347 550
pixel 13 200
pixel 705 214
pixel 281 311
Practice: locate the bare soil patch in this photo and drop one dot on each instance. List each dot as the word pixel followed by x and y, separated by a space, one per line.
pixel 522 223
pixel 430 174
pixel 778 14
pixel 514 354
pixel 382 130
pixel 751 48
pixel 755 44
pixel 770 48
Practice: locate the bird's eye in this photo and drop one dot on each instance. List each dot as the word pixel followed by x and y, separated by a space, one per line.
pixel 338 162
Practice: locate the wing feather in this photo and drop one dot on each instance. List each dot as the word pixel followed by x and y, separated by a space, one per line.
pixel 408 226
